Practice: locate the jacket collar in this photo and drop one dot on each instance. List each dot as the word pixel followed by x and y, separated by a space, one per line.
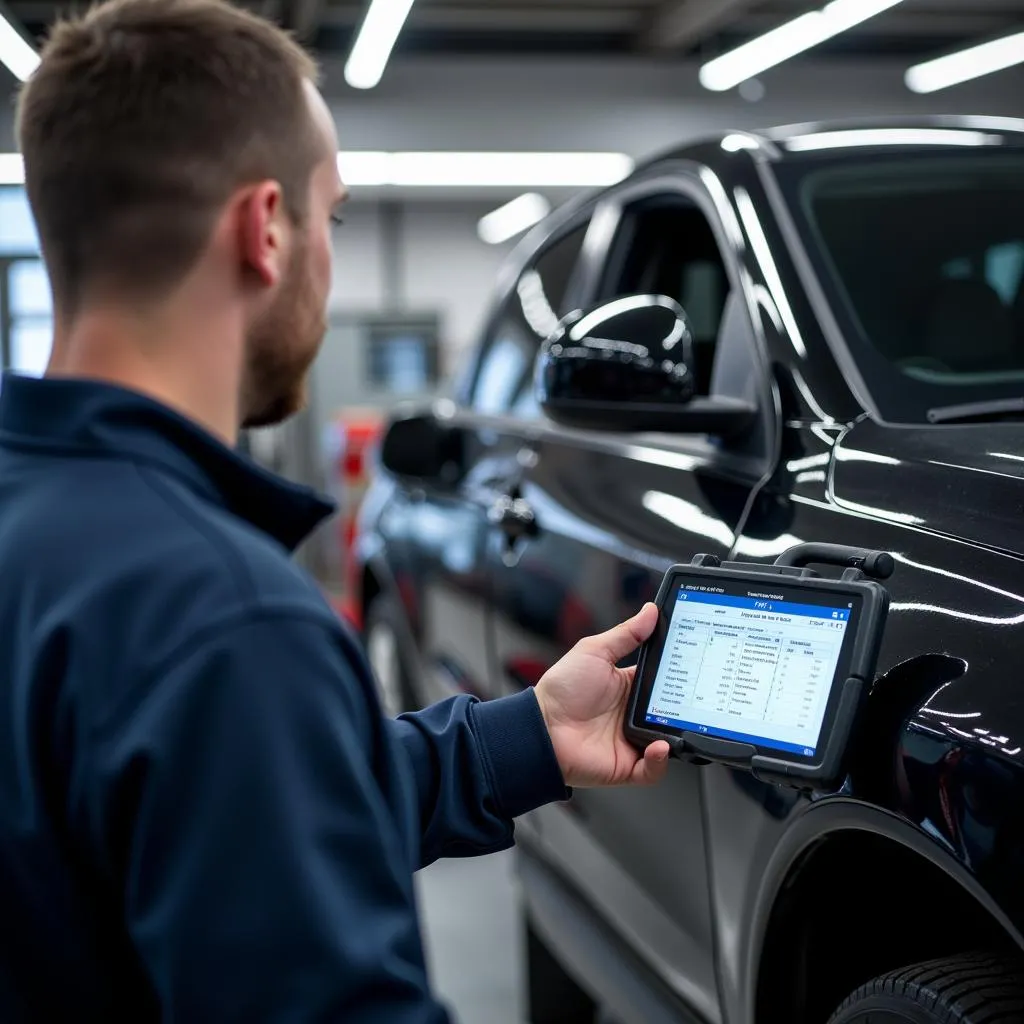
pixel 84 417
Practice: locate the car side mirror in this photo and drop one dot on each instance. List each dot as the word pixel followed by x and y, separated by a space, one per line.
pixel 627 365
pixel 424 446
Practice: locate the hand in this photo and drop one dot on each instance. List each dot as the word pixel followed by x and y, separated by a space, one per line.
pixel 583 701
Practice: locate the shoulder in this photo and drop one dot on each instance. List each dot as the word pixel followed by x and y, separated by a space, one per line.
pixel 127 567
pixel 191 533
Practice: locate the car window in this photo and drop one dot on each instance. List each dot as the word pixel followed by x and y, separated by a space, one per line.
pixel 1000 266
pixel 924 260
pixel 665 246
pixel 504 377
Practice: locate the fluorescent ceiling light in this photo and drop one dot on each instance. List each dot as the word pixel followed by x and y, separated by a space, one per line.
pixel 513 218
pixel 15 52
pixel 376 39
pixel 12 171
pixel 491 170
pixel 890 137
pixel 787 41
pixel 369 169
pixel 967 64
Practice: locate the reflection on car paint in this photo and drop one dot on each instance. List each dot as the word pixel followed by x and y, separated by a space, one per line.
pixel 769 270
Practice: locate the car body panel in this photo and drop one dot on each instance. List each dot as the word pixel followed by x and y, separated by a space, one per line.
pixel 686 875
pixel 593 562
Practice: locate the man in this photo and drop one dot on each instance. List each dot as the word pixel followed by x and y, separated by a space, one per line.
pixel 203 815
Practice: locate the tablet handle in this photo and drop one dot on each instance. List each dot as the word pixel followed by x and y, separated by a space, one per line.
pixel 878 564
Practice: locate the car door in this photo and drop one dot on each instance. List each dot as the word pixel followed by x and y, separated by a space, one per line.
pixel 608 515
pixel 438 531
pixel 449 528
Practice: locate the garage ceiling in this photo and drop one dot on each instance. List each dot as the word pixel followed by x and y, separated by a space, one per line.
pixel 684 27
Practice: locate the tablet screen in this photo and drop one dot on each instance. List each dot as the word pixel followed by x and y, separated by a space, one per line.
pixel 755 667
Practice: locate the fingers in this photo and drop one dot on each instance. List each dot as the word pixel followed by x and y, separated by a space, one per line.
pixel 626 637
pixel 653 766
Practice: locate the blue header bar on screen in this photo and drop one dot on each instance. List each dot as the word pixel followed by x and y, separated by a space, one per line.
pixel 814 611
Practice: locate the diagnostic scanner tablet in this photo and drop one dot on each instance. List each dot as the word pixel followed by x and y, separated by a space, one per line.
pixel 761 667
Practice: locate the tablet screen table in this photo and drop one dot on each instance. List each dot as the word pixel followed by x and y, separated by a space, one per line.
pixel 755 669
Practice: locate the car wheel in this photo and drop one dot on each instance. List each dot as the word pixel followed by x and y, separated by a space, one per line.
pixel 553 996
pixel 977 988
pixel 384 650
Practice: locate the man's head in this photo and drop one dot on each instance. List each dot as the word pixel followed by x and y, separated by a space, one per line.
pixel 180 147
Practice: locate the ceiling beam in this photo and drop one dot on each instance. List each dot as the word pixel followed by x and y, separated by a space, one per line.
pixel 481 17
pixel 681 23
pixel 302 18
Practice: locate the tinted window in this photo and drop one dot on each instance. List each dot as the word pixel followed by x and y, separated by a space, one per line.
pixel 504 378
pixel 665 246
pixel 924 262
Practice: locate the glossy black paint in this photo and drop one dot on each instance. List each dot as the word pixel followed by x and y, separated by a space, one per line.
pixel 630 360
pixel 628 366
pixel 700 877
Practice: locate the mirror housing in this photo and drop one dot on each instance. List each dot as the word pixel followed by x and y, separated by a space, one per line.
pixel 424 446
pixel 627 365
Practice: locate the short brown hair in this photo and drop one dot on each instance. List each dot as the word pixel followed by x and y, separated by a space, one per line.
pixel 141 120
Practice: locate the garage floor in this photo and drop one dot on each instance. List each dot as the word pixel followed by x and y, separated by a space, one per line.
pixel 473 938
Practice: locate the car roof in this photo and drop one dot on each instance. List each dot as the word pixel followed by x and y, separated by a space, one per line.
pixel 796 141
pixel 796 144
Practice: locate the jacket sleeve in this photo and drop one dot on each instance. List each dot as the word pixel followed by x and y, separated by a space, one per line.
pixel 238 802
pixel 477 766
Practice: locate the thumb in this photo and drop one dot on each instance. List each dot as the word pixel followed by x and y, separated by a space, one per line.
pixel 625 638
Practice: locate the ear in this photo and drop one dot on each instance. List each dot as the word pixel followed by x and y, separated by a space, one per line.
pixel 262 231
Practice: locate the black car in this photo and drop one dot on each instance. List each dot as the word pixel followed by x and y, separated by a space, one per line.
pixel 855 295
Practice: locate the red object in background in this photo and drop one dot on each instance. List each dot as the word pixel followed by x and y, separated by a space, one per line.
pixel 358 433
pixel 525 670
pixel 359 436
pixel 349 611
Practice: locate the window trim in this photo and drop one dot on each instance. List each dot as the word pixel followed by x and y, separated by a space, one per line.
pixel 683 178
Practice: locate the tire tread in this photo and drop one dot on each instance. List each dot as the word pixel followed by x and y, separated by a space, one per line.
pixel 973 988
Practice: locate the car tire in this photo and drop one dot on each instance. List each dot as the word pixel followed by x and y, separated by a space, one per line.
pixel 553 996
pixel 977 988
pixel 382 634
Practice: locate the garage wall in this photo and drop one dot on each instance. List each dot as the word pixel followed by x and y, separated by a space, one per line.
pixel 638 106
pixel 421 257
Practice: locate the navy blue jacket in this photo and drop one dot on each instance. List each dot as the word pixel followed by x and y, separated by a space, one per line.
pixel 203 814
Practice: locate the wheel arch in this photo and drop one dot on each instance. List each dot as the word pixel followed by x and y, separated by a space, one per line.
pixel 851 892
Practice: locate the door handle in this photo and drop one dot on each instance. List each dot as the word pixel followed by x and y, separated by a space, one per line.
pixel 514 517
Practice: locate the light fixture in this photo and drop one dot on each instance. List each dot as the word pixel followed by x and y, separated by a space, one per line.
pixel 787 41
pixel 376 39
pixel 374 169
pixel 483 170
pixel 851 138
pixel 16 53
pixel 513 218
pixel 964 65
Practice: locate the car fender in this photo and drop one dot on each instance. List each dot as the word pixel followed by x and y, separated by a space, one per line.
pixel 825 819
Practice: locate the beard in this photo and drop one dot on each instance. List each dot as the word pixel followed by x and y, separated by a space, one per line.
pixel 280 350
